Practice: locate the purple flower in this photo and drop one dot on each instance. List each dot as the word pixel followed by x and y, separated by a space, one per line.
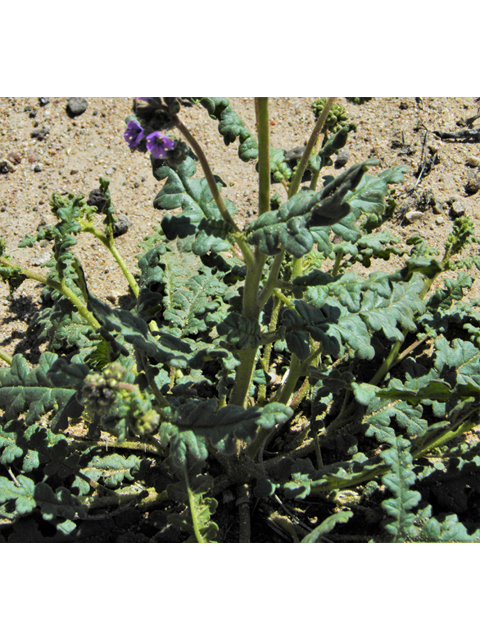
pixel 143 98
pixel 158 144
pixel 133 133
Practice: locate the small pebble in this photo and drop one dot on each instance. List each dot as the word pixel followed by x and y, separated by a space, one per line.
pixel 121 226
pixel 342 159
pixel 413 216
pixel 37 168
pixel 473 185
pixel 472 161
pixel 97 199
pixel 41 259
pixel 109 172
pixel 457 208
pixel 439 220
pixel 43 101
pixel 76 106
pixel 41 134
pixel 14 158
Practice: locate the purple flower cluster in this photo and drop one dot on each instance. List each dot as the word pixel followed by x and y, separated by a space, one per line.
pixel 157 143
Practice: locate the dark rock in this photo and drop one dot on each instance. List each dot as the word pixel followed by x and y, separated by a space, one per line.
pixel 342 159
pixel 473 184
pixel 121 226
pixel 76 106
pixel 6 166
pixel 96 198
pixel 43 101
pixel 33 113
pixel 41 134
pixel 37 168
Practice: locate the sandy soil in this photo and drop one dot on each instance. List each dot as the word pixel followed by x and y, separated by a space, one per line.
pixel 76 151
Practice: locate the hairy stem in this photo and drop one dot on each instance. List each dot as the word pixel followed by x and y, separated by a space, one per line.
pixel 59 286
pixel 263 154
pixel 193 511
pixel 5 357
pixel 252 301
pixel 108 243
pixel 302 165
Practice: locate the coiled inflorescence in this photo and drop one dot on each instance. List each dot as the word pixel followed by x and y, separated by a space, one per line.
pixel 337 116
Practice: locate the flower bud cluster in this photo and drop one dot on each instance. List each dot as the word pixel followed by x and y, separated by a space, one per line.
pixel 337 116
pixel 106 394
pixel 99 391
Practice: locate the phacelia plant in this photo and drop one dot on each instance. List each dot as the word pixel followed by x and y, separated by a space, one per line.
pixel 257 387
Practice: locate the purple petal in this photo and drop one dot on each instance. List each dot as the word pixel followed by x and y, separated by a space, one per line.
pixel 143 98
pixel 158 144
pixel 133 133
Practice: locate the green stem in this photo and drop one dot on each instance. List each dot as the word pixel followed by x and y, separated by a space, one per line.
pixel 193 511
pixel 61 287
pixel 5 357
pixel 263 155
pixel 338 260
pixel 244 246
pixel 252 301
pixel 302 165
pixel 272 279
pixel 109 244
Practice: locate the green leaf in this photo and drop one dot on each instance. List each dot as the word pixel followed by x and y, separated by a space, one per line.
pixel 188 426
pixel 113 469
pixel 289 225
pixel 196 518
pixel 458 365
pixel 240 332
pixel 231 127
pixel 328 525
pixel 200 215
pixel 29 390
pixel 22 492
pixel 136 331
pixel 188 293
pixel 399 480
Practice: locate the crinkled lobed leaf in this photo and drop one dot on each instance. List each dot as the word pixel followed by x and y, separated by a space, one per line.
pixel 23 389
pixel 231 127
pixel 188 292
pixel 399 479
pixel 297 224
pixel 188 426
pixel 240 332
pixel 200 215
pixel 136 331
pixel 459 365
pixel 345 311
